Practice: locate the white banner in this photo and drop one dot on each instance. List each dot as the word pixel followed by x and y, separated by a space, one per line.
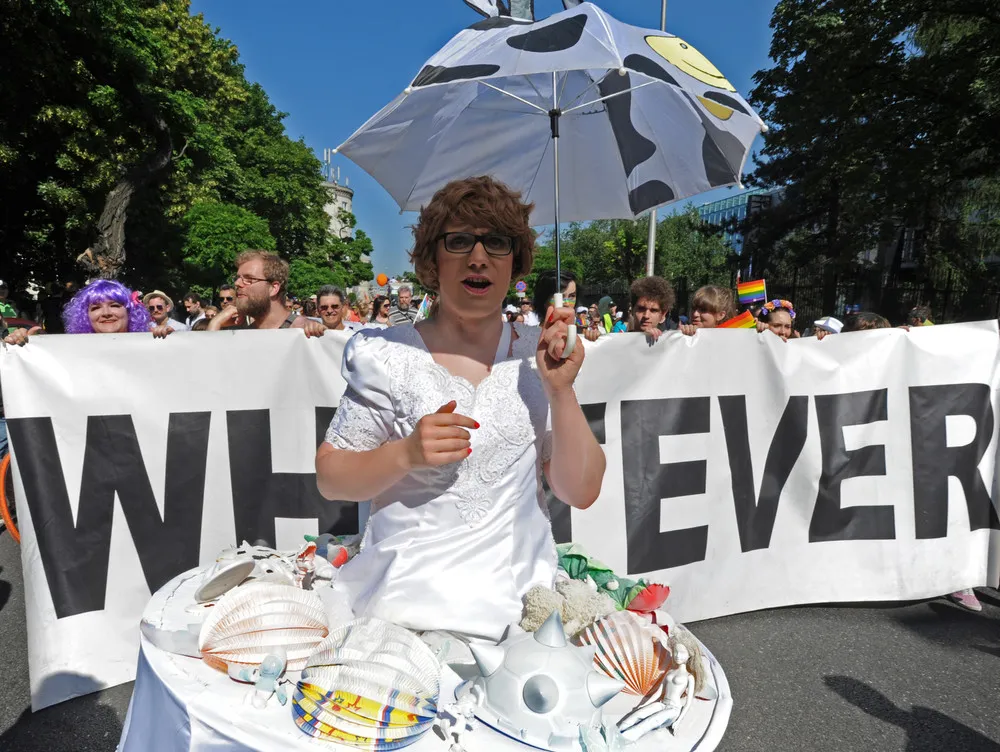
pixel 745 472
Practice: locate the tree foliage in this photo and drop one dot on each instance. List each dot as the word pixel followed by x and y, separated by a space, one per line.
pixel 215 234
pixel 612 253
pixel 138 109
pixel 885 124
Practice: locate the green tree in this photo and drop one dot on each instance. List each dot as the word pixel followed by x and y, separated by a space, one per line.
pixel 215 234
pixel 137 112
pixel 883 117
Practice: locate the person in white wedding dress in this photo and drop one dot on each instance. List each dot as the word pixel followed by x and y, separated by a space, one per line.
pixel 447 426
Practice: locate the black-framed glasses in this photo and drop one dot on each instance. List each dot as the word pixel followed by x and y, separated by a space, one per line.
pixel 155 307
pixel 227 298
pixel 494 243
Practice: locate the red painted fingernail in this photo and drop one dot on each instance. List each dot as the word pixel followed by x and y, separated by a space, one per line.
pixel 477 424
pixel 469 452
pixel 549 319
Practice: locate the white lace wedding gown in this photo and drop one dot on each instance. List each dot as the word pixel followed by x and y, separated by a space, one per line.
pixel 452 548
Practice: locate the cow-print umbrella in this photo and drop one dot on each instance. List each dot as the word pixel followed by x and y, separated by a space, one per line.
pixel 627 118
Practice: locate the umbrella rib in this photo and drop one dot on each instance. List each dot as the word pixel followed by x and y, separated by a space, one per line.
pixel 610 96
pixel 593 83
pixel 531 83
pixel 512 96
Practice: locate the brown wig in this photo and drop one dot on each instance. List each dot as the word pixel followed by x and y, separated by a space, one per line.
pixel 714 299
pixel 275 267
pixel 654 288
pixel 473 202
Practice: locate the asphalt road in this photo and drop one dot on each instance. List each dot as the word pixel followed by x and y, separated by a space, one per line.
pixel 918 677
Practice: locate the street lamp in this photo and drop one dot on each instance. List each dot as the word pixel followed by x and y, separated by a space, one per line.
pixel 651 248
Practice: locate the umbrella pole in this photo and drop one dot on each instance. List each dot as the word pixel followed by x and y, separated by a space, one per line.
pixel 554 114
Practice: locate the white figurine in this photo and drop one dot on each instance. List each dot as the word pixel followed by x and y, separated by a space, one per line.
pixel 676 698
pixel 266 679
pixel 454 720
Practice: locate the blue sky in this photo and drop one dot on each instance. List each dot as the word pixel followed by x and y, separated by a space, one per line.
pixel 332 64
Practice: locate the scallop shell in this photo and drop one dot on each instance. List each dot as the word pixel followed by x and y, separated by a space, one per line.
pixel 628 650
pixel 379 644
pixel 254 619
pixel 370 685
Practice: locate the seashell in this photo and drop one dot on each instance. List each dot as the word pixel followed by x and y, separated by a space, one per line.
pixel 223 577
pixel 370 685
pixel 629 650
pixel 379 644
pixel 251 621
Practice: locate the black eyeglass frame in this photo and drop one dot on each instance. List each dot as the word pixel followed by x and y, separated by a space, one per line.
pixel 478 239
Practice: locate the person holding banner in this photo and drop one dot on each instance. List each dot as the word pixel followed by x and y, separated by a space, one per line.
pixel 777 316
pixel 102 307
pixel 651 298
pixel 710 307
pixel 448 427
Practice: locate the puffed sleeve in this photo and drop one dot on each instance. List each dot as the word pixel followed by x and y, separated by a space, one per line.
pixel 365 416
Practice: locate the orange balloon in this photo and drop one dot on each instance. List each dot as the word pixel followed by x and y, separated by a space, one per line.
pixel 382 280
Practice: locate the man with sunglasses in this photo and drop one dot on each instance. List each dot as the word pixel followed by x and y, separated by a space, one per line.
pixel 227 296
pixel 261 281
pixel 160 306
pixel 332 308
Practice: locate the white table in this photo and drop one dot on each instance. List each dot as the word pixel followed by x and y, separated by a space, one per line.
pixel 179 704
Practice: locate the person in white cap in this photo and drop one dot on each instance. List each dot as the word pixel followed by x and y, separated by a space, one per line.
pixel 827 325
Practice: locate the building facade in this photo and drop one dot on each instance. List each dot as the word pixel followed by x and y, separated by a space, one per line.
pixel 341 198
pixel 735 209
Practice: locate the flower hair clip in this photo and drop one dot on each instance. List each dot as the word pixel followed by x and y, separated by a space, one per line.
pixel 773 305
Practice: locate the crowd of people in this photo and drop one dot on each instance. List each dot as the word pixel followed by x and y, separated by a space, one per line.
pixel 257 298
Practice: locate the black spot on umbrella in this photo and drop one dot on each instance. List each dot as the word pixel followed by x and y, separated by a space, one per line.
pixel 498 22
pixel 721 151
pixel 439 74
pixel 632 145
pixel 725 101
pixel 718 169
pixel 649 194
pixel 642 64
pixel 556 37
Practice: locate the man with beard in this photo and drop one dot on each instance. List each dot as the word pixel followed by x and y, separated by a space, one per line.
pixel 652 298
pixel 403 312
pixel 261 278
pixel 332 308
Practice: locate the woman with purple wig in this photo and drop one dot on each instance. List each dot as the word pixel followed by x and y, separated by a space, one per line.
pixel 102 307
pixel 105 307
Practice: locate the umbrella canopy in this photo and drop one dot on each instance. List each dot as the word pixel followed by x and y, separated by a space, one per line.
pixel 643 118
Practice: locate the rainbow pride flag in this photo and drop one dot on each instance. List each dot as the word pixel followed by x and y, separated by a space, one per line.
pixel 424 309
pixel 744 321
pixel 754 291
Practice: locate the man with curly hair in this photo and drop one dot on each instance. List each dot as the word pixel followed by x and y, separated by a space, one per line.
pixel 651 298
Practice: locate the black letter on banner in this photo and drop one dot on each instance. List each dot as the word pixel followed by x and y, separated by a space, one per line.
pixel 934 461
pixel 755 518
pixel 829 521
pixel 260 495
pixel 75 556
pixel 647 481
pixel 560 512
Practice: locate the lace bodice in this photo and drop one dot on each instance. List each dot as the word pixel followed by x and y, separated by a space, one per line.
pixel 453 548
pixel 393 381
